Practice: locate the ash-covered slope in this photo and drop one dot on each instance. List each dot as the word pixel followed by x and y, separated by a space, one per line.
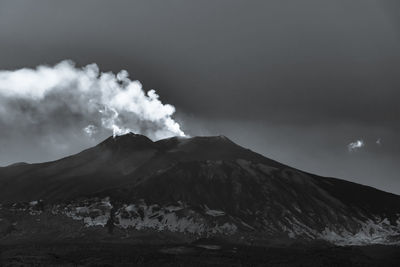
pixel 202 186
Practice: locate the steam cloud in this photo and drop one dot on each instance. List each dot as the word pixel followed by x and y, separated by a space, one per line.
pixel 64 96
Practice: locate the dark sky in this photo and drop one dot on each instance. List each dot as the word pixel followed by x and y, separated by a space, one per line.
pixel 294 80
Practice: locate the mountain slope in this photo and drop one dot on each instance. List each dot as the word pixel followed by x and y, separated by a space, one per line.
pixel 270 201
pixel 91 170
pixel 113 162
pixel 200 186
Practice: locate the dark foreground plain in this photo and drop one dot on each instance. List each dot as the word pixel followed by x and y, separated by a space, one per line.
pixel 111 254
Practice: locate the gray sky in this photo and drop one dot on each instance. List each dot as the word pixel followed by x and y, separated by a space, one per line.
pixel 294 80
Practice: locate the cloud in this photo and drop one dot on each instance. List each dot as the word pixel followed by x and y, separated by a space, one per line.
pixel 67 98
pixel 353 146
pixel 90 130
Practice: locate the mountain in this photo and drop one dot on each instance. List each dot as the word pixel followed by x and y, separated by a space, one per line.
pixel 189 188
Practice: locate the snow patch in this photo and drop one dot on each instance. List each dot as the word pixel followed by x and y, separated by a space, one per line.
pixel 214 213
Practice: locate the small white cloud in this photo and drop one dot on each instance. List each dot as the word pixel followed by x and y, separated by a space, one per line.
pixel 378 142
pixel 355 145
pixel 90 130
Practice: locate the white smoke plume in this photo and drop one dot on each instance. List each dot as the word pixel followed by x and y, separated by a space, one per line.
pixel 355 145
pixel 62 96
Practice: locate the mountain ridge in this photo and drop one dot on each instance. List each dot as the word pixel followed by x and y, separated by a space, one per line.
pixel 200 186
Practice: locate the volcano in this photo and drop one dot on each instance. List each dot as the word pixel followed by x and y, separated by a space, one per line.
pixel 188 188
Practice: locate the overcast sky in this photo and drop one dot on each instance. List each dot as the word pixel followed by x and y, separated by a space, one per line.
pixel 297 81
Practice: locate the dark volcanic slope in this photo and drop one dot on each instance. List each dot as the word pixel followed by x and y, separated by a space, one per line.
pixel 97 168
pixel 205 185
pixel 113 162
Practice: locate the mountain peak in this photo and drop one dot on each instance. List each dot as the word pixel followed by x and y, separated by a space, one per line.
pixel 212 139
pixel 195 142
pixel 128 141
pixel 129 135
